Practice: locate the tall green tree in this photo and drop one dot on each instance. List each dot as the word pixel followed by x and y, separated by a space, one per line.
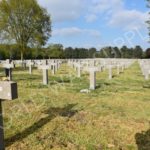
pixel 148 21
pixel 137 52
pixel 25 23
pixel 68 52
pixel 92 52
pixel 107 52
pixel 125 52
pixel 116 52
pixel 147 53
pixel 55 51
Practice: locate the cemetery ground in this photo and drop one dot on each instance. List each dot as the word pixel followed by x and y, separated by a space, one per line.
pixel 57 116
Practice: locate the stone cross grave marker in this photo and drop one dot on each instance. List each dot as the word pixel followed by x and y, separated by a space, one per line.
pixel 78 67
pixel 118 69
pixel 79 70
pixel 53 67
pixel 30 64
pixel 146 72
pixel 45 67
pixel 92 71
pixel 8 65
pixel 8 91
pixel 110 72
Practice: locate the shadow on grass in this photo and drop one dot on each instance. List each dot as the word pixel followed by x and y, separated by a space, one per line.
pixel 143 140
pixel 52 113
pixel 59 81
pixel 36 86
pixel 146 86
pixel 98 86
pixel 102 84
pixel 28 78
pixel 114 76
pixel 21 68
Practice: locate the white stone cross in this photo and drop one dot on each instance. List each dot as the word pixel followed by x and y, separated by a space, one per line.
pixel 92 71
pixel 30 64
pixel 110 72
pixel 8 69
pixel 45 69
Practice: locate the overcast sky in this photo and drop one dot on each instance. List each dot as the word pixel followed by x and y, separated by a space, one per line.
pixel 98 23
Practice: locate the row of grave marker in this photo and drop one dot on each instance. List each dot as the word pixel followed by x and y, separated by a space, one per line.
pixel 8 90
pixel 44 65
pixel 90 65
pixel 93 66
pixel 145 68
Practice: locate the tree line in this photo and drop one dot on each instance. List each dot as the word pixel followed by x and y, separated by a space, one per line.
pixel 58 51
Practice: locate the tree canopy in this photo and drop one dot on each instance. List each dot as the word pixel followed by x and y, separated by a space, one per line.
pixel 25 23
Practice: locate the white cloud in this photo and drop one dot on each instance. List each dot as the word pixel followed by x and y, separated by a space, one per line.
pixel 91 18
pixel 128 19
pixel 63 10
pixel 116 15
pixel 93 33
pixel 114 12
pixel 74 31
pixel 102 6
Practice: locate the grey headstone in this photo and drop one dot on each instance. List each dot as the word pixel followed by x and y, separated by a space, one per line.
pixel 8 90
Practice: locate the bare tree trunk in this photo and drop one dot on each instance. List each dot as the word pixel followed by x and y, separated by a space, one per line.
pixel 22 61
pixel 22 56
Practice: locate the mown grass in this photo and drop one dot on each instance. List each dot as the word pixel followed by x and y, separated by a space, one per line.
pixel 59 117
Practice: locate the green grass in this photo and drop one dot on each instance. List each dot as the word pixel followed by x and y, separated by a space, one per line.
pixel 59 117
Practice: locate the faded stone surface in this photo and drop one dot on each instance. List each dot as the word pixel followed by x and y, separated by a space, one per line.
pixel 30 64
pixel 79 71
pixel 45 68
pixel 45 76
pixel 8 65
pixel 110 72
pixel 92 80
pixel 30 69
pixel 8 90
pixel 145 68
pixel 92 71
pixel 53 68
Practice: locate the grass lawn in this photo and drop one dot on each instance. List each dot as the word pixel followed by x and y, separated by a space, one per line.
pixel 59 117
